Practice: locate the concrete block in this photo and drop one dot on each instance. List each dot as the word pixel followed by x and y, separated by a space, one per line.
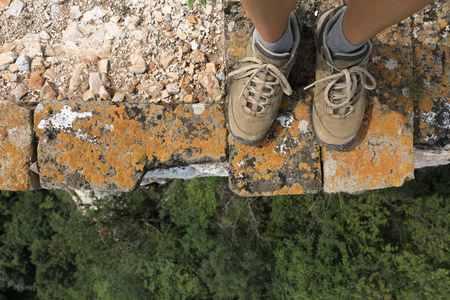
pixel 17 148
pixel 107 146
pixel 382 155
pixel 430 89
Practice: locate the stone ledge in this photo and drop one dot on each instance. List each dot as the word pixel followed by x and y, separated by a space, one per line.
pixel 103 146
pixel 17 148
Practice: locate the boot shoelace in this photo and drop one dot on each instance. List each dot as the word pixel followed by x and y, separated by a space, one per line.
pixel 344 90
pixel 251 71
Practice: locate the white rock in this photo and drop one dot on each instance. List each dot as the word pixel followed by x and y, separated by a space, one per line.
pixel 167 10
pixel 118 96
pixel 95 82
pixel 103 93
pixel 6 59
pixel 15 8
pixel 37 63
pixel 20 91
pixel 173 88
pixel 77 76
pixel 44 35
pixel 72 33
pixel 138 64
pixel 54 11
pixel 58 1
pixel 132 21
pixel 95 14
pixel 103 66
pixel 23 63
pixel 75 12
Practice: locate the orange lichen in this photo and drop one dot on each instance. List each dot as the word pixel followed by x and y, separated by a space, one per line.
pixel 117 156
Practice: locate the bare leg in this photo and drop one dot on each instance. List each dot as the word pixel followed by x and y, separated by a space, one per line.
pixel 366 18
pixel 269 16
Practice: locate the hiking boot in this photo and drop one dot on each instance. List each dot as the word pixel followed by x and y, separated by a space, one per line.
pixel 340 87
pixel 255 95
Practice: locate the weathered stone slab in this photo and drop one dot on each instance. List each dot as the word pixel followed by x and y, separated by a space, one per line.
pixel 17 148
pixel 287 161
pixel 430 89
pixel 105 146
pixel 382 155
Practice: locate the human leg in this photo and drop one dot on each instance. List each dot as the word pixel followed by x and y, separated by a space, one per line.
pixel 269 16
pixel 341 76
pixel 261 78
pixel 366 18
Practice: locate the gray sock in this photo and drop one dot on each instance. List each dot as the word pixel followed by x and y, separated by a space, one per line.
pixel 283 45
pixel 336 41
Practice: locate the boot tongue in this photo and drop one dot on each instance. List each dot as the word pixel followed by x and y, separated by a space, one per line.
pixel 344 60
pixel 269 57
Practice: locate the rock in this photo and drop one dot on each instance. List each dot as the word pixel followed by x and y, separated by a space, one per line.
pixel 77 76
pixel 220 75
pixel 191 19
pixel 13 68
pixel 6 59
pixel 17 148
pixel 20 91
pixel 173 88
pixel 186 48
pixel 103 66
pixel 95 14
pixel 210 83
pixel 132 22
pixel 8 47
pixel 15 8
pixel 23 63
pixel 10 77
pixel 167 10
pixel 188 98
pixel 44 35
pixel 181 34
pixel 4 4
pixel 130 88
pixel 212 67
pixel 48 92
pixel 58 1
pixel 72 33
pixel 167 60
pixel 158 16
pixel 54 11
pixel 165 94
pixel 197 57
pixel 37 80
pixel 95 82
pixel 50 74
pixel 157 134
pixel 37 63
pixel 119 96
pixel 88 95
pixel 75 12
pixel 138 64
pixel 103 93
pixel 32 47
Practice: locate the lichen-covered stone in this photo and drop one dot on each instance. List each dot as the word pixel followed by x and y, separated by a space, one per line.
pixel 107 146
pixel 17 148
pixel 286 162
pixel 382 155
pixel 430 88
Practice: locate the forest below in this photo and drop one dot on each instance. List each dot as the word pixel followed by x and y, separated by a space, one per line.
pixel 195 239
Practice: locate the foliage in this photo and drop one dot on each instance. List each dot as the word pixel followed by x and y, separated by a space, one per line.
pixel 196 240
